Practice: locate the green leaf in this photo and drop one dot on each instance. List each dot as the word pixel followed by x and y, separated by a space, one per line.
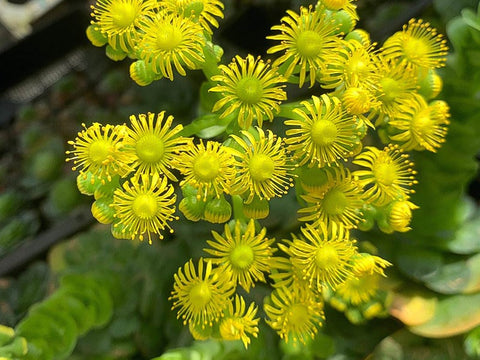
pixel 404 345
pixel 457 277
pixel 418 263
pixel 465 240
pixel 207 126
pixel 453 315
pixel 471 18
pixel 413 306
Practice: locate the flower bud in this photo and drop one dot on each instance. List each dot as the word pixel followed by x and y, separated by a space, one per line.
pixel 142 73
pixel 218 210
pixel 257 208
pixel 192 208
pixel 114 54
pixel 399 215
pixel 121 231
pixel 96 37
pixel 102 211
pixel 360 35
pixel 430 84
pixel 314 179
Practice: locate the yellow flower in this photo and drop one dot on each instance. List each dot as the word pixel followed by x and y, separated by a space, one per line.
pixel 341 202
pixel 169 39
pixel 418 44
pixel 203 11
pixel 324 134
pixel 389 176
pixel 396 85
pixel 98 150
pixel 244 254
pixel 359 101
pixel 364 282
pixel 399 215
pixel 262 167
pixel 250 86
pixel 324 255
pixel 295 316
pixel 359 289
pixel 239 321
pixel 208 168
pixel 152 145
pixel 365 263
pixel 119 20
pixel 284 273
pixel 354 67
pixel 202 295
pixel 308 41
pixel 421 127
pixel 145 206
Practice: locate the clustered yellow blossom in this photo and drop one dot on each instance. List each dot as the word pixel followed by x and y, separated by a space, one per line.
pixel 345 150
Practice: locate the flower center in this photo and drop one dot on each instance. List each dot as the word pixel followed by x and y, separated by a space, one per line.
pixel 324 132
pixel 150 148
pixel 309 44
pixel 242 257
pixel 357 100
pixel 200 295
pixel 123 14
pixel 261 167
pixel 422 124
pixel 99 152
pixel 334 202
pixel 385 173
pixel 145 206
pixel 298 315
pixel 391 89
pixel 250 90
pixel 169 38
pixel 206 167
pixel 326 257
pixel 414 49
pixel 358 67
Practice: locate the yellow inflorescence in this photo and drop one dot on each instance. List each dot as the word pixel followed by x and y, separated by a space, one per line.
pixel 345 149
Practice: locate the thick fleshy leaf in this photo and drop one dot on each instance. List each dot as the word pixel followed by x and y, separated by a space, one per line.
pixel 453 315
pixel 418 263
pixel 458 277
pixel 404 345
pixel 413 307
pixel 467 238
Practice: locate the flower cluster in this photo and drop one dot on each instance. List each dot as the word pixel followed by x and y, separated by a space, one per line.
pixel 345 151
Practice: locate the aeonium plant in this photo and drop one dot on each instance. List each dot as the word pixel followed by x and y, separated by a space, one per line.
pixel 345 153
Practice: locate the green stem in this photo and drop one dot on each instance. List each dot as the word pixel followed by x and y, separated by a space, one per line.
pixel 238 208
pixel 210 66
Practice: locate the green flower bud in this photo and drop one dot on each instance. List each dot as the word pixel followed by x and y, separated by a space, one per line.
pixel 115 55
pixel 256 209
pixel 142 73
pixel 218 210
pixel 314 179
pixel 96 37
pixel 192 207
pixel 121 231
pixel 107 188
pixel 102 211
pixel 430 84
pixel 360 35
